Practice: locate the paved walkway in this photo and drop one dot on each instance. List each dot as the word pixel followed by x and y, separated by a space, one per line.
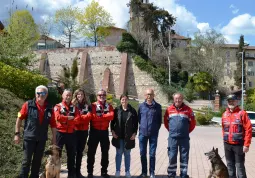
pixel 202 139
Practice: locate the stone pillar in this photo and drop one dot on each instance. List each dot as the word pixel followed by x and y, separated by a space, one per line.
pixel 106 80
pixel 83 68
pixel 123 74
pixel 42 66
pixel 217 102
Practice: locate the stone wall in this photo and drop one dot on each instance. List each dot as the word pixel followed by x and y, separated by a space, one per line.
pixel 92 63
pixel 138 81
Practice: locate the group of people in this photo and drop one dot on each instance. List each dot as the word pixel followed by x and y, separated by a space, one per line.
pixel 71 119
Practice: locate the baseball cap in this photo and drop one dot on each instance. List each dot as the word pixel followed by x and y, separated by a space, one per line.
pixel 232 97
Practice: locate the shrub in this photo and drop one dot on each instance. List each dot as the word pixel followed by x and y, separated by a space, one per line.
pixel 54 97
pixel 249 107
pixel 201 119
pixel 109 98
pixel 20 82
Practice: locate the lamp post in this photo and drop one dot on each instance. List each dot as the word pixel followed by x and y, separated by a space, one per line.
pixel 242 80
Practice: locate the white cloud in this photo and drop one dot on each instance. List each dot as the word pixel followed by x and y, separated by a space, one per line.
pixel 203 27
pixel 118 10
pixel 241 24
pixel 234 9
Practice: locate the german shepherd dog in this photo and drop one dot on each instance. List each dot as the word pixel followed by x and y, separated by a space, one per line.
pixel 53 164
pixel 218 169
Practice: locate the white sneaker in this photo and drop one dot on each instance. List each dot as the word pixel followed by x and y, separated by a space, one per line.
pixel 128 175
pixel 117 174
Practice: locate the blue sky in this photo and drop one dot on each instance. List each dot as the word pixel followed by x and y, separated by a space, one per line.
pixel 229 17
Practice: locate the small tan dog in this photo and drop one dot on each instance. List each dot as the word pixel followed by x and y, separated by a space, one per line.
pixel 53 164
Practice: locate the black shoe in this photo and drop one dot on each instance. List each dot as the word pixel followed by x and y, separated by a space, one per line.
pixel 143 175
pixel 105 175
pixel 90 175
pixel 79 175
pixel 185 176
pixel 71 176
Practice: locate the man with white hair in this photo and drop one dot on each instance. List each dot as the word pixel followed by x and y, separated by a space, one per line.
pixel 38 115
pixel 237 135
pixel 179 120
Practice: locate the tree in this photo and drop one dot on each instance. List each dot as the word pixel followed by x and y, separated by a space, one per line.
pixel 45 28
pixel 68 76
pixel 74 69
pixel 206 54
pixel 95 22
pixel 67 23
pixel 238 71
pixel 189 92
pixel 156 24
pixel 17 40
pixel 202 81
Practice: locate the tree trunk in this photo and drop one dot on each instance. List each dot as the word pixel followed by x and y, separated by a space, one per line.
pixel 69 41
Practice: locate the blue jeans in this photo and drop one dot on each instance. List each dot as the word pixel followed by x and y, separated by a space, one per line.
pixel 119 152
pixel 143 142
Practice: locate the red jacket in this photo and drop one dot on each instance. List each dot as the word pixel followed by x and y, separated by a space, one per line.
pixel 181 121
pixel 61 112
pixel 85 118
pixel 101 115
pixel 236 127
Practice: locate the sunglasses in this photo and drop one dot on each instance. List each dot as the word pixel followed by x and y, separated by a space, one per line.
pixel 41 93
pixel 101 95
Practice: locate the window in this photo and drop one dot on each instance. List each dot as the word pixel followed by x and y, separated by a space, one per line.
pixel 247 55
pixel 250 84
pixel 250 73
pixel 228 54
pixel 250 63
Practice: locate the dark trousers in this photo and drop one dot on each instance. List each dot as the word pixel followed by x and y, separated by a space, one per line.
pixel 81 140
pixel 143 142
pixel 68 139
pixel 175 144
pixel 31 149
pixel 96 136
pixel 235 158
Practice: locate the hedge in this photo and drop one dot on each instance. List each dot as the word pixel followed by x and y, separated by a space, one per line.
pixel 21 82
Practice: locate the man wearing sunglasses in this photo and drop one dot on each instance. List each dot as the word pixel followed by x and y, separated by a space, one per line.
pixel 67 115
pixel 38 115
pixel 101 115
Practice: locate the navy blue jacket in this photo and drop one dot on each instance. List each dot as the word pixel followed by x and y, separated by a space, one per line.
pixel 149 118
pixel 33 130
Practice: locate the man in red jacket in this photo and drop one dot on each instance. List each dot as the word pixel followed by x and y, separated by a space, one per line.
pixel 67 115
pixel 237 134
pixel 179 120
pixel 101 115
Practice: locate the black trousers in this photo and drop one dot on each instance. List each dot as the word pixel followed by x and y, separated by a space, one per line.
pixel 96 136
pixel 235 158
pixel 33 152
pixel 68 139
pixel 81 140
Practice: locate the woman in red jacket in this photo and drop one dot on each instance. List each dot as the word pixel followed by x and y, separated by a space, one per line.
pixel 79 100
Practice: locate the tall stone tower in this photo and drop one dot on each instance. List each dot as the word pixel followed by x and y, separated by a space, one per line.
pixel 136 15
pixel 136 23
